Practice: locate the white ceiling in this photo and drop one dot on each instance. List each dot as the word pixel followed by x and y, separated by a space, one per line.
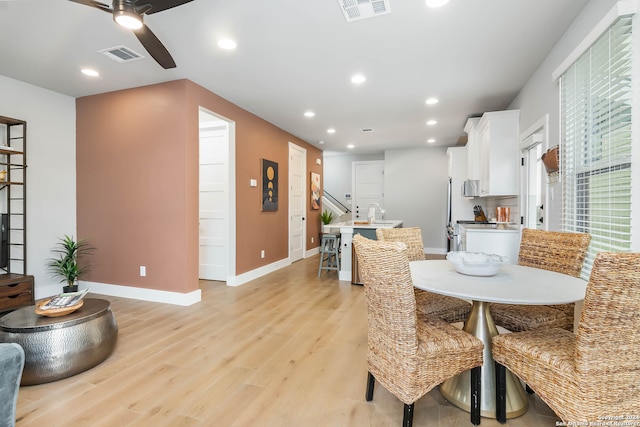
pixel 298 55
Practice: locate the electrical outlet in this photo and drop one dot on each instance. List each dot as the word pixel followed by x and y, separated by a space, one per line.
pixel 143 271
pixel 262 253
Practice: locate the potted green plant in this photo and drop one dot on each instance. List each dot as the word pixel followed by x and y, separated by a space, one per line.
pixel 326 217
pixel 66 266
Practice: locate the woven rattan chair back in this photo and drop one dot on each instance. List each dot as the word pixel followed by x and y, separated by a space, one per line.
pixel 443 307
pixel 607 354
pixel 557 251
pixel 587 376
pixel 391 304
pixel 409 353
pixel 561 252
pixel 411 236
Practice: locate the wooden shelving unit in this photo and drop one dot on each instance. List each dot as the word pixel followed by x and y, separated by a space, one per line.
pixel 16 287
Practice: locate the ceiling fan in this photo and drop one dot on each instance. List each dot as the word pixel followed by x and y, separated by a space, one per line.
pixel 129 14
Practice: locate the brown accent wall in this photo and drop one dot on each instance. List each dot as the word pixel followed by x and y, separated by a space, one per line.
pixel 137 185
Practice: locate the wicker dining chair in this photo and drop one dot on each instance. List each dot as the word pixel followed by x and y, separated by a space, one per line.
pixel 585 377
pixel 448 308
pixel 561 252
pixel 409 353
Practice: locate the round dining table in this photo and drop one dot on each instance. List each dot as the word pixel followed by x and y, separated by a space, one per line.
pixel 512 284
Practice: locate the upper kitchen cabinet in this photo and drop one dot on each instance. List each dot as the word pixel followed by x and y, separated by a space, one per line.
pixel 473 148
pixel 498 133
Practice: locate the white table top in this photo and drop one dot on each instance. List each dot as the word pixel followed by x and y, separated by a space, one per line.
pixel 514 284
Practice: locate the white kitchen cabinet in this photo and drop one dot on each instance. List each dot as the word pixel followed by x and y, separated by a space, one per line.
pixel 473 148
pixel 498 133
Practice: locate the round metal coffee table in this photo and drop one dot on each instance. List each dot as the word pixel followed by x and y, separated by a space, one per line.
pixel 59 347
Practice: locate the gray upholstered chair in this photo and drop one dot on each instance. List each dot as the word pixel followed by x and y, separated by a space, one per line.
pixel 557 251
pixel 409 353
pixel 449 309
pixel 11 366
pixel 592 374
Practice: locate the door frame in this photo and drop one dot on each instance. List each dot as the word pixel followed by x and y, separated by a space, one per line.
pixel 303 151
pixel 538 133
pixel 231 196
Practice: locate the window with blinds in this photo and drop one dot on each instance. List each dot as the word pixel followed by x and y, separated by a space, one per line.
pixel 595 160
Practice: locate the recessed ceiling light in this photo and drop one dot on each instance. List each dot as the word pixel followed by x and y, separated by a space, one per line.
pixel 431 140
pixel 89 72
pixel 436 3
pixel 331 130
pixel 432 101
pixel 350 146
pixel 358 79
pixel 227 44
pixel 309 114
pixel 432 122
pixel 320 142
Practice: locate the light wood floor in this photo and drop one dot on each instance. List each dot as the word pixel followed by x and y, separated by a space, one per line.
pixel 285 350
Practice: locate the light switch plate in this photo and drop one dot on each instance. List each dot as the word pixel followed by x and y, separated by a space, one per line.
pixel 253 182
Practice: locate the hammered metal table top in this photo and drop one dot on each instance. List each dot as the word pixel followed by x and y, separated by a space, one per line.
pixel 25 319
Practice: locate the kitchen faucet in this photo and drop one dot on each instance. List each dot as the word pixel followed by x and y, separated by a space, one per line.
pixel 372 212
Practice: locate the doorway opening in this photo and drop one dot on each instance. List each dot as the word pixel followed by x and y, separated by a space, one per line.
pixel 534 195
pixel 216 217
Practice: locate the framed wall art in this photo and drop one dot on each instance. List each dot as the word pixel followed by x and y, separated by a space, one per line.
pixel 269 186
pixel 315 191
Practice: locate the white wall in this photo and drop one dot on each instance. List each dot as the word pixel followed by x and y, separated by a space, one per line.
pixel 415 190
pixel 541 96
pixel 51 171
pixel 337 171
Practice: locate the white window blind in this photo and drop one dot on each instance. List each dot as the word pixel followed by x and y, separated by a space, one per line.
pixel 595 160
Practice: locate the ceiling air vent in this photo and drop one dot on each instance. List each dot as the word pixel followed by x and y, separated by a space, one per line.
pixel 121 54
pixel 359 9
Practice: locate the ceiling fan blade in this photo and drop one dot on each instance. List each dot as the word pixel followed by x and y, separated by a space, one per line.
pixel 96 4
pixel 160 5
pixel 155 47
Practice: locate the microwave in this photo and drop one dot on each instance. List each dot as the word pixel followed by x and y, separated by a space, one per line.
pixel 471 188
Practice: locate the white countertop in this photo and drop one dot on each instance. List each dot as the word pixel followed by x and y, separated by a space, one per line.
pixel 388 223
pixel 510 228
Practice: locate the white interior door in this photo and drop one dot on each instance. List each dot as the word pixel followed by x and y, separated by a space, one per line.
pixel 297 201
pixel 368 187
pixel 533 200
pixel 214 209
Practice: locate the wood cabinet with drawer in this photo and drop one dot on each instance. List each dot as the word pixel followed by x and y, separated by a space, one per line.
pixel 16 290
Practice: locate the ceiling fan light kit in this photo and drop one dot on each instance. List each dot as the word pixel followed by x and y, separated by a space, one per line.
pixel 129 14
pixel 128 19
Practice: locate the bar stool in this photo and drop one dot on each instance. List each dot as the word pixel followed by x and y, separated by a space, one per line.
pixel 329 252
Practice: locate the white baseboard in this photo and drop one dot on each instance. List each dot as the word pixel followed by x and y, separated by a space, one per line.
pixel 312 252
pixel 258 272
pixel 179 298
pixel 143 294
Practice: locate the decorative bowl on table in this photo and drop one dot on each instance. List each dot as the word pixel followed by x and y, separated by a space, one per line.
pixel 476 263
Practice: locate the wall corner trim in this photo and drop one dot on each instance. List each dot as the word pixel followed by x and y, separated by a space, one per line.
pixel 311 252
pixel 258 272
pixel 144 294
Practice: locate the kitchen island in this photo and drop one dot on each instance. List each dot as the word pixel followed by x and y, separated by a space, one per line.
pixel 347 229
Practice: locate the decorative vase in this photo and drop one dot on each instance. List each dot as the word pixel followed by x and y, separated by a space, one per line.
pixel 70 288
